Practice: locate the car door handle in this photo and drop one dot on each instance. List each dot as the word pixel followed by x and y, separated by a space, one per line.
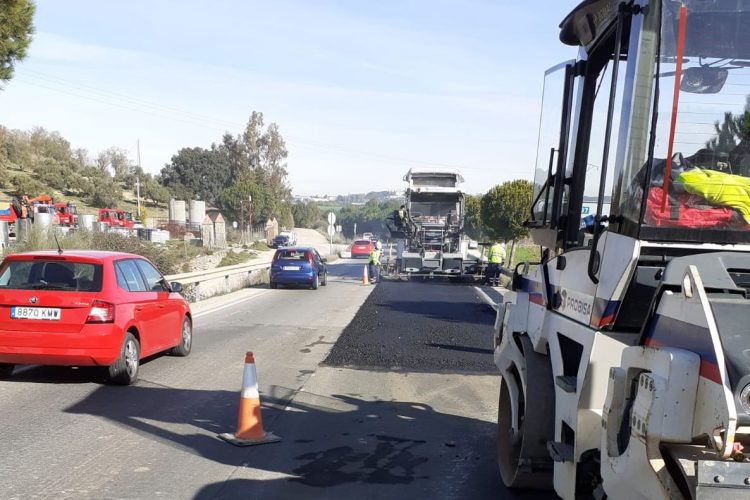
pixel 139 308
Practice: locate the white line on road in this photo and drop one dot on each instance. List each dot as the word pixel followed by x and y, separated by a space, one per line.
pixel 233 303
pixel 486 298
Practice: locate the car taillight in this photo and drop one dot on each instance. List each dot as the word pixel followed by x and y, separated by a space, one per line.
pixel 309 257
pixel 101 312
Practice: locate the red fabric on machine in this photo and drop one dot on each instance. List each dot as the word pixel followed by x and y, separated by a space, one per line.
pixel 686 210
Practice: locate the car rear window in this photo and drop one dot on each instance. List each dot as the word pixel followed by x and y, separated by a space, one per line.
pixel 362 242
pixel 291 254
pixel 41 274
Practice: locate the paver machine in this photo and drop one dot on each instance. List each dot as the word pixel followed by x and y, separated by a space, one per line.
pixel 625 352
pixel 429 238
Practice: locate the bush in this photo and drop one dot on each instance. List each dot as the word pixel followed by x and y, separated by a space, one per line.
pixel 28 185
pixel 167 259
pixel 234 258
pixel 523 253
pixel 4 175
pixel 260 246
pixel 104 194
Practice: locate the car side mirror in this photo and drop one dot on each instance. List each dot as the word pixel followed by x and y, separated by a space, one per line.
pixel 703 80
pixel 176 287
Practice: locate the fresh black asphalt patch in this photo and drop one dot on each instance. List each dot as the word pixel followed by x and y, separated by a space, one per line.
pixel 424 326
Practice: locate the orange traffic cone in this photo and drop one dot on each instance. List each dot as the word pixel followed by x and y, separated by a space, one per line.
pixel 365 278
pixel 249 423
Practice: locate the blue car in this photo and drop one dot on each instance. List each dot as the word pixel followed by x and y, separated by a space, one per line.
pixel 298 266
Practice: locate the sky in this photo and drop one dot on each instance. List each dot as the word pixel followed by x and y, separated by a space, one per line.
pixel 362 91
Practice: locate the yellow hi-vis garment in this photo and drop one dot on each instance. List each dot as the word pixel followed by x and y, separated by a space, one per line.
pixel 374 257
pixel 719 188
pixel 497 254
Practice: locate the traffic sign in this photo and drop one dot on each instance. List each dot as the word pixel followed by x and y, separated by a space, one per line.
pixel 331 230
pixel 331 218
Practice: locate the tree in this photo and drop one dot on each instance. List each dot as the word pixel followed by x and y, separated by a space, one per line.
pixel 114 159
pixel 16 28
pixel 731 143
pixel 473 218
pixel 505 208
pixel 253 140
pixel 152 190
pixel 4 174
pixel 286 220
pixel 250 164
pixel 306 214
pixel 233 199
pixel 118 160
pixel 28 185
pixel 204 173
pixel 274 156
pixel 49 147
pixel 102 163
pixel 104 193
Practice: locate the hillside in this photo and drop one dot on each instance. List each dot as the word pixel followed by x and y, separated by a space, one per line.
pixel 42 162
pixel 128 202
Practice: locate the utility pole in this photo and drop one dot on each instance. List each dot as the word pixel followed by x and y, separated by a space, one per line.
pixel 138 182
pixel 242 223
pixel 250 215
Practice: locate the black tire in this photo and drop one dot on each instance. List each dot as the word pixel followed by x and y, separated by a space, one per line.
pixel 6 370
pixel 536 425
pixel 124 371
pixel 186 339
pixel 325 279
pixel 274 286
pixel 315 283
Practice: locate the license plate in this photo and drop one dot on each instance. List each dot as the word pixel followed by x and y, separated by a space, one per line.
pixel 291 268
pixel 42 313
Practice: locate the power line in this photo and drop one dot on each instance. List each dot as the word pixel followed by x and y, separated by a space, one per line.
pixel 130 103
pixel 130 99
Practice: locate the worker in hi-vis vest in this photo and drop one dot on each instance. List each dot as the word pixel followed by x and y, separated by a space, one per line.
pixel 495 260
pixel 374 263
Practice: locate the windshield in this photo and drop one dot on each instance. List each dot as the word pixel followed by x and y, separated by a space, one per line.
pixel 51 275
pixel 435 208
pixel 292 254
pixel 72 209
pixel 702 70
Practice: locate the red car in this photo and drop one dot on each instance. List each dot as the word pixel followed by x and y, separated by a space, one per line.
pixel 88 308
pixel 361 248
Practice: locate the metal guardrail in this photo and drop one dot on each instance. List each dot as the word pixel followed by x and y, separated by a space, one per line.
pixel 219 272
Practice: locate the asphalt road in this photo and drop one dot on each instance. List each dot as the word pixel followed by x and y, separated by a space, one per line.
pixel 355 431
pixel 421 325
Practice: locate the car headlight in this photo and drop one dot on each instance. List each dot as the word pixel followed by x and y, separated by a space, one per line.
pixel 745 398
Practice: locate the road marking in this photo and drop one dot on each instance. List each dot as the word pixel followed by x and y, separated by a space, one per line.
pixel 486 298
pixel 234 303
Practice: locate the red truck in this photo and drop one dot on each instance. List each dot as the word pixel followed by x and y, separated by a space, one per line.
pixel 8 214
pixel 115 217
pixel 67 213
